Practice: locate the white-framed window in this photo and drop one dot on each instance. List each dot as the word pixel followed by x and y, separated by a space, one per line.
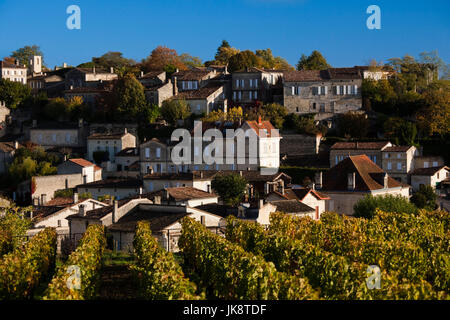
pixel 251 83
pixel 147 152
pixel 158 152
pixel 426 164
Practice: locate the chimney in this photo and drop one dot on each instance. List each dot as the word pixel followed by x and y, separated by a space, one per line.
pixel 140 192
pixel 115 211
pixel 240 173
pixel 81 210
pixel 75 197
pixel 166 194
pixel 260 203
pixel 35 202
pixel 93 69
pixel 43 199
pixel 142 74
pixel 34 124
pixel 351 183
pixel 201 174
pixel 157 200
pixel 125 130
pixel 175 86
pixel 112 70
pixel 64 65
pixel 385 180
pixel 319 178
pixel 65 157
pixel 17 62
pixel 267 188
pixel 16 144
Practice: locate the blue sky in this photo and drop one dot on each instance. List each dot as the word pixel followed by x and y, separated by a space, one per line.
pixel 289 27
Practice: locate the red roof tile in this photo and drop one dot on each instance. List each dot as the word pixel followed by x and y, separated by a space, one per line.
pixel 82 162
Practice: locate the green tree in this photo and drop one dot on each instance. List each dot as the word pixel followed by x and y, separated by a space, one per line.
pixel 315 61
pixel 13 93
pixel 365 208
pixel 57 109
pixel 425 198
pixel 231 188
pixel 353 124
pixel 129 97
pixel 271 62
pixel 113 59
pixel 13 226
pixel 151 113
pixel 173 110
pixel 24 54
pixel 191 61
pixel 21 170
pixel 400 131
pixel 275 113
pixel 224 53
pixel 244 59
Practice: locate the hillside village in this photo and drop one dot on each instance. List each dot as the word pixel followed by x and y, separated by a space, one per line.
pixel 96 165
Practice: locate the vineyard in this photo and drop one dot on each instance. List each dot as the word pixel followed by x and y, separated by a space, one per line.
pixel 292 259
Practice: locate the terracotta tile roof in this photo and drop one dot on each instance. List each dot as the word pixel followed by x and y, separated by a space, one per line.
pixel 158 220
pixel 398 148
pixel 60 202
pixel 106 136
pixel 151 74
pixel 183 193
pixel 263 125
pixel 304 75
pixel 303 192
pixel 360 145
pixel 6 64
pixel 428 171
pixel 97 168
pixel 113 183
pixel 368 175
pixel 81 162
pixel 191 75
pixel 218 209
pixel 202 93
pixel 292 206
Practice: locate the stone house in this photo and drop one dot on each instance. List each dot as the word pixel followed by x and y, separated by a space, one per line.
pixel 5 118
pixel 193 79
pixel 342 150
pixel 159 93
pixel 398 161
pixel 59 134
pixel 110 144
pixel 165 223
pixel 310 197
pixel 431 176
pixel 155 156
pixel 254 84
pixel 88 77
pixel 205 99
pixel 127 163
pixel 353 178
pixel 300 144
pixel 428 161
pixel 323 92
pixel 152 78
pixel 117 188
pixel 41 189
pixel 295 208
pixel 88 170
pixel 7 151
pixel 13 72
pixel 183 196
pixel 200 180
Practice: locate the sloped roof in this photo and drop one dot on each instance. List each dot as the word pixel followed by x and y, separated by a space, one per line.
pixel 428 171
pixel 360 145
pixel 398 148
pixel 186 193
pixel 201 93
pixel 6 64
pixel 7 146
pixel 301 193
pixel 113 183
pixel 191 75
pixel 264 126
pixel 81 162
pixel 368 175
pixel 292 206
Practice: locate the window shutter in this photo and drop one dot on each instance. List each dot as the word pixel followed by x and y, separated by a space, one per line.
pixel 250 95
pixel 256 95
pixel 293 90
pixel 299 90
pixel 237 83
pixel 234 95
pixel 355 89
pixel 345 90
pixel 256 83
pixel 326 90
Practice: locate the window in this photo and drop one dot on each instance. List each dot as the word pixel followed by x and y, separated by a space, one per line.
pixel 237 83
pixel 196 168
pixel 196 151
pixel 195 85
pixel 240 95
pixel 386 155
pixel 256 95
pixel 251 83
pixel 375 159
pixel 389 165
pixel 435 164
pixel 399 166
pixel 296 109
pixel 147 152
pixel 59 223
pixel 233 167
pixel 426 164
pixel 198 107
pixel 158 152
pixel 242 83
pixel 399 155
pixel 337 160
pixel 150 186
pixel 256 83
pixel 250 95
pixel 314 106
pixel 322 107
pixel 54 137
pixel 234 95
